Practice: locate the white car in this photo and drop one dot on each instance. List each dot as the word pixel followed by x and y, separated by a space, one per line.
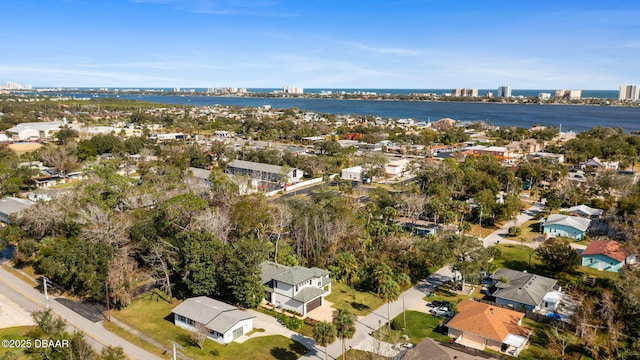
pixel 441 311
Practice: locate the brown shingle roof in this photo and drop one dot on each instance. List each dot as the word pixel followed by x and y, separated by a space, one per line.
pixel 489 321
pixel 608 248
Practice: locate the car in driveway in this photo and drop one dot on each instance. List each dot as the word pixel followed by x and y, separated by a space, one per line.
pixel 441 303
pixel 441 311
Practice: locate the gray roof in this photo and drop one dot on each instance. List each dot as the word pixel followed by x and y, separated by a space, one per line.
pixel 10 205
pixel 575 222
pixel 522 287
pixel 214 314
pixel 308 294
pixel 254 166
pixel 39 126
pixel 586 210
pixel 289 275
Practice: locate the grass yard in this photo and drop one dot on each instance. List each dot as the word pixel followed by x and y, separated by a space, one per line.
pixel 357 302
pixel 419 326
pixel 540 347
pixel 516 257
pixel 530 230
pixel 486 230
pixel 444 292
pixel 14 333
pixel 360 355
pixel 151 316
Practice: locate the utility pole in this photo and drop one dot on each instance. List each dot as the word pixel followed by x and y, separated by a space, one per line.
pixel 480 223
pixel 174 350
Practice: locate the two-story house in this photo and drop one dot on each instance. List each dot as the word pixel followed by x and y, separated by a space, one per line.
pixel 296 288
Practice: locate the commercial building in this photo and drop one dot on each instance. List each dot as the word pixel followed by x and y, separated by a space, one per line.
pixel 629 92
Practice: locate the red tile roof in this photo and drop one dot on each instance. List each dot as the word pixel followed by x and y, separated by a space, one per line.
pixel 608 248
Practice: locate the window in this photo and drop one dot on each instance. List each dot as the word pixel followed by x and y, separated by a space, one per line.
pixel 590 260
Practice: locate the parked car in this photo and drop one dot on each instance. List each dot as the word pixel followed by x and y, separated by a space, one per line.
pixel 441 311
pixel 441 303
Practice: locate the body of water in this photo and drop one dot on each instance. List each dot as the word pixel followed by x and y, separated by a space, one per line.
pixel 571 117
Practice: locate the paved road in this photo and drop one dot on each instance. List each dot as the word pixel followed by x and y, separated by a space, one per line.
pixel 31 299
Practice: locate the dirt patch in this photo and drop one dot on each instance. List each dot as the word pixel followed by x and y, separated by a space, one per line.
pixel 24 147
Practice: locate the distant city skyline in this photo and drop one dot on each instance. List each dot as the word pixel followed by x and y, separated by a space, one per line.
pixel 401 44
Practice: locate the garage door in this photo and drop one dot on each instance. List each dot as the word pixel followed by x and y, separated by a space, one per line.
pixel 314 304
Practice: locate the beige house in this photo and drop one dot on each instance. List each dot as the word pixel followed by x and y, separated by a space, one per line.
pixel 481 326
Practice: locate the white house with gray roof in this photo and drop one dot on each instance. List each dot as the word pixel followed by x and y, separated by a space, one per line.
pixel 10 205
pixel 223 322
pixel 296 288
pixel 34 131
pixel 522 290
pixel 265 172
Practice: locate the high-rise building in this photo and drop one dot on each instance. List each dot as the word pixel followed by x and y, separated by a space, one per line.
pixel 629 92
pixel 569 94
pixel 292 90
pixel 464 92
pixel 504 91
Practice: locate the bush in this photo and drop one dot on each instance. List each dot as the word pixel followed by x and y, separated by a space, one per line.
pixel 397 324
pixel 515 231
pixel 292 323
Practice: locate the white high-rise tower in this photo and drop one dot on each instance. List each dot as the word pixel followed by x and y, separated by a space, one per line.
pixel 629 92
pixel 504 91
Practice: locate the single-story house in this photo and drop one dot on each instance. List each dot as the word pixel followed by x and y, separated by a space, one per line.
pixel 34 131
pixel 298 289
pixel 10 205
pixel 601 165
pixel 223 322
pixel 563 225
pixel 479 325
pixel 396 167
pixel 522 290
pixel 606 255
pixel 354 173
pixel 584 211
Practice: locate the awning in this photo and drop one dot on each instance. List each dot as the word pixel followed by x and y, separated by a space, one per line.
pixel 515 340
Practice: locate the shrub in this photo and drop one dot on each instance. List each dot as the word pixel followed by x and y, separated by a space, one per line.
pixel 292 323
pixel 515 231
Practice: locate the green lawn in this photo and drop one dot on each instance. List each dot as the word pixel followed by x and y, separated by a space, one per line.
pixel 151 315
pixel 14 333
pixel 444 292
pixel 530 230
pixel 357 302
pixel 419 326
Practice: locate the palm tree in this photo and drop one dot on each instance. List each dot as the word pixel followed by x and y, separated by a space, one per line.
pixel 345 325
pixel 324 333
pixel 403 281
pixel 381 274
pixel 389 291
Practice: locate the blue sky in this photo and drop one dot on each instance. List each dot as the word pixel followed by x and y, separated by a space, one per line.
pixel 321 43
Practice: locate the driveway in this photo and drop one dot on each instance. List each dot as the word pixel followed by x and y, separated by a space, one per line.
pixel 12 314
